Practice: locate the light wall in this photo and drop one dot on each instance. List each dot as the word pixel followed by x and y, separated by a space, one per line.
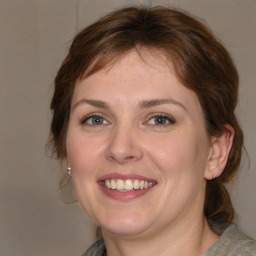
pixel 34 37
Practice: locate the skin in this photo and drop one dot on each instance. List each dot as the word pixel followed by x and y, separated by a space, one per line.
pixel 176 153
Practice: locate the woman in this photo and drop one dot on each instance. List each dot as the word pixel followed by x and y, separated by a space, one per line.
pixel 143 116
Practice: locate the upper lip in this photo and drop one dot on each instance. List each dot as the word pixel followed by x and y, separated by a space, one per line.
pixel 124 177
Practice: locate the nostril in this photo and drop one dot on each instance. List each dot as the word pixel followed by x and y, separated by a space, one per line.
pixel 123 147
pixel 122 159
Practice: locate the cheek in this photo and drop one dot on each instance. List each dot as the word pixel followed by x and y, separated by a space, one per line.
pixel 179 154
pixel 83 156
pixel 83 153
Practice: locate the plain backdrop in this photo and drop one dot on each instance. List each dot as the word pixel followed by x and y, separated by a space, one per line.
pixel 34 38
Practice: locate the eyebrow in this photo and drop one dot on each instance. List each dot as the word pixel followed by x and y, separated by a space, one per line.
pixel 143 104
pixel 94 103
pixel 156 102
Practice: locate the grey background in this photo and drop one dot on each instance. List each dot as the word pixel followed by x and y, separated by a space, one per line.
pixel 34 38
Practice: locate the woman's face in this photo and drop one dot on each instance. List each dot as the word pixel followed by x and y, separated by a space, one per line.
pixel 137 147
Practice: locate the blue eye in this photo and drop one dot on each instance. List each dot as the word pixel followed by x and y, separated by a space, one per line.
pixel 94 120
pixel 161 120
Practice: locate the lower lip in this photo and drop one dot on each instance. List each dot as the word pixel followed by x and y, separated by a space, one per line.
pixel 125 196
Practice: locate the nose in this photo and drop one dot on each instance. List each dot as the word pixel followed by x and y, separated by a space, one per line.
pixel 124 145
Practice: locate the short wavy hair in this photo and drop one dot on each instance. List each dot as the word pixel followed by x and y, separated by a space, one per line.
pixel 201 63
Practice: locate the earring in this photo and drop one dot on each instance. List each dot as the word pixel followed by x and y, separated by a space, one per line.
pixel 69 170
pixel 213 176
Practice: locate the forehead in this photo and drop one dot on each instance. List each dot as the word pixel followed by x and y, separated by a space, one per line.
pixel 135 78
pixel 148 55
pixel 140 63
pixel 145 65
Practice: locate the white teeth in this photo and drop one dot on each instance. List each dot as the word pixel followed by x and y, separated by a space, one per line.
pixel 142 184
pixel 136 184
pixel 127 185
pixel 120 184
pixel 107 184
pixel 113 184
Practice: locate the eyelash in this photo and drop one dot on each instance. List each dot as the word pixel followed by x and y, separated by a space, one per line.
pixel 86 118
pixel 166 118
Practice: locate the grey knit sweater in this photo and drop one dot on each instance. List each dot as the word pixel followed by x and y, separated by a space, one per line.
pixel 231 242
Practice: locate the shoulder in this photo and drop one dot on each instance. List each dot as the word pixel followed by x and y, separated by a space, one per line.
pixel 96 249
pixel 233 242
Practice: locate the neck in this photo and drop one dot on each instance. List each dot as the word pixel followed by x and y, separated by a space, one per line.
pixel 192 239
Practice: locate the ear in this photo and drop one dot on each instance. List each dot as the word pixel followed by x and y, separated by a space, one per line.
pixel 219 152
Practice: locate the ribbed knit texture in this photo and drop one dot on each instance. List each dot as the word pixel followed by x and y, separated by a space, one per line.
pixel 232 242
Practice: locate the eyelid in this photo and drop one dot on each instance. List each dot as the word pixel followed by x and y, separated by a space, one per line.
pixel 91 115
pixel 169 118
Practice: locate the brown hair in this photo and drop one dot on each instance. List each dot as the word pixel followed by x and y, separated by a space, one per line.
pixel 201 62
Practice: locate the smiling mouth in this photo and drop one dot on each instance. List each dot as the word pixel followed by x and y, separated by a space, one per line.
pixel 127 185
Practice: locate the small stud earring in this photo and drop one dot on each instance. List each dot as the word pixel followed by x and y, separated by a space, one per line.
pixel 69 170
pixel 213 176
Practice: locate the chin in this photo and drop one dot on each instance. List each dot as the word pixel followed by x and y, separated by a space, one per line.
pixel 124 230
pixel 125 226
